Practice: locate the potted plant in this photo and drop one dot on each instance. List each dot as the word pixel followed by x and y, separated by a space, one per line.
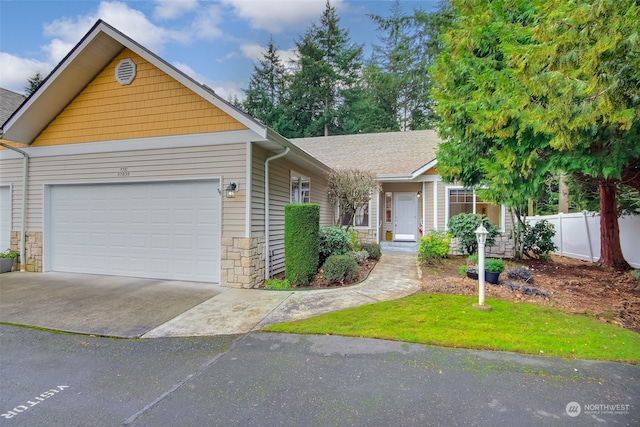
pixel 7 259
pixel 471 269
pixel 492 269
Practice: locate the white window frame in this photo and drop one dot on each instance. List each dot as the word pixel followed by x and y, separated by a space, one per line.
pixel 299 197
pixel 359 227
pixel 503 210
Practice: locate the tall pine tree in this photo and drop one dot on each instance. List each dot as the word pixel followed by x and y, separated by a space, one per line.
pixel 409 45
pixel 327 72
pixel 266 87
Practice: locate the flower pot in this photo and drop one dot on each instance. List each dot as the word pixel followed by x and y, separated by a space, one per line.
pixel 6 264
pixel 472 275
pixel 491 277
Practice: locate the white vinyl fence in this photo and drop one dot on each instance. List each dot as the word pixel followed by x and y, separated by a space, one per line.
pixel 578 235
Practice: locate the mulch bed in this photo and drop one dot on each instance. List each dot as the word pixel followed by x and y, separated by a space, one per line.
pixel 575 286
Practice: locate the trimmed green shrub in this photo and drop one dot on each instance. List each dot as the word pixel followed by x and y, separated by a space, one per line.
pixel 359 256
pixel 333 241
pixel 463 226
pixel 434 244
pixel 301 242
pixel 277 284
pixel 341 268
pixel 536 240
pixel 374 250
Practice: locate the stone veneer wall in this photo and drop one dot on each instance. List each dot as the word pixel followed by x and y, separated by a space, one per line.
pixel 502 249
pixel 365 234
pixel 33 249
pixel 242 262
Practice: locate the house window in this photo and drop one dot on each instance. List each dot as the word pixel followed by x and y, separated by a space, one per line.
pixel 300 188
pixel 387 206
pixel 464 200
pixel 361 217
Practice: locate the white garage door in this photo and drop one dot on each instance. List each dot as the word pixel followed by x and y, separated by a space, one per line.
pixel 161 230
pixel 5 217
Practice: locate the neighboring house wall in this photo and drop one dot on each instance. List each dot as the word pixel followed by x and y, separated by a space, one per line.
pixel 154 104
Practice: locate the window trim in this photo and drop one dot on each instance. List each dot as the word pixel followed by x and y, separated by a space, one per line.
pixel 503 210
pixel 388 207
pixel 294 174
pixel 359 227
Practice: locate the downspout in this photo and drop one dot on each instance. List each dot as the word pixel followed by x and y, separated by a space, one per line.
pixel 267 254
pixel 23 220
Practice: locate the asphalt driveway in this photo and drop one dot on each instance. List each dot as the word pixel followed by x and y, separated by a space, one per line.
pixel 114 306
pixel 263 379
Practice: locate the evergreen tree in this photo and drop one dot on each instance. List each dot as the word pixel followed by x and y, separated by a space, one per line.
pixel 266 87
pixel 326 72
pixel 409 45
pixel 529 88
pixel 33 83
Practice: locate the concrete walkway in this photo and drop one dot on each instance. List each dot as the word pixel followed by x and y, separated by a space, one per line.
pixel 238 311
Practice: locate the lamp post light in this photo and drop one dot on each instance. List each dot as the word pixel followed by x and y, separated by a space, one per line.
pixel 481 236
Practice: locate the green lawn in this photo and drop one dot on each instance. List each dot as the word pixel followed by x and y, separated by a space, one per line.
pixel 451 321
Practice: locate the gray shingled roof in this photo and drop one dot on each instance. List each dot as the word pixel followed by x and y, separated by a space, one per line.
pixel 9 102
pixel 391 153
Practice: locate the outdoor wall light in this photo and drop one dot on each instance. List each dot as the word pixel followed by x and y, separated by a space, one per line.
pixel 419 194
pixel 231 189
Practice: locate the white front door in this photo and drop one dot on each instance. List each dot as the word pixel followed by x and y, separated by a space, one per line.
pixel 160 230
pixel 405 216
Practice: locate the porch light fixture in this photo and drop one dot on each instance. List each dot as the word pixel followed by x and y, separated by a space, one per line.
pixel 231 189
pixel 419 194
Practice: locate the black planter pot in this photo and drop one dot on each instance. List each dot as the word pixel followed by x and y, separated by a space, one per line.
pixel 491 277
pixel 471 275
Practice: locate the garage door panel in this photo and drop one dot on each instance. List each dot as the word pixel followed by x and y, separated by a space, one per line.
pixel 157 230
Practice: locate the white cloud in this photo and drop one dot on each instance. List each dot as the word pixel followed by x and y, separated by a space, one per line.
pixel 206 24
pixel 171 9
pixel 276 15
pixel 16 71
pixel 67 32
pixel 252 51
pixel 256 52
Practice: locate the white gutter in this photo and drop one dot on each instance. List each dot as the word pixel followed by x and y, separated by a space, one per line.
pixel 267 255
pixel 23 219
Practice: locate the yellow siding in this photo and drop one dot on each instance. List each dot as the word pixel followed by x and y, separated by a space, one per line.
pixel 431 171
pixel 153 105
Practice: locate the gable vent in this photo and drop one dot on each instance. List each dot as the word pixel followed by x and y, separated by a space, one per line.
pixel 125 71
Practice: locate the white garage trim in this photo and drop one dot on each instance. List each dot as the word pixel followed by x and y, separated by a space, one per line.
pixel 162 229
pixel 5 217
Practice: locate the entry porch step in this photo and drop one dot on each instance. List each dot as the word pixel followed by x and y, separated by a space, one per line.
pixel 388 247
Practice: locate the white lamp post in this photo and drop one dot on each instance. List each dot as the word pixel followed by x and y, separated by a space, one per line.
pixel 481 236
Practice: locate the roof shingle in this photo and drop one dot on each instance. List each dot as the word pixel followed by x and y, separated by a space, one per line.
pixel 9 102
pixel 391 153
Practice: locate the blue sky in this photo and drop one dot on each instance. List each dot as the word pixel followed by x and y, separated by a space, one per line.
pixel 215 42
